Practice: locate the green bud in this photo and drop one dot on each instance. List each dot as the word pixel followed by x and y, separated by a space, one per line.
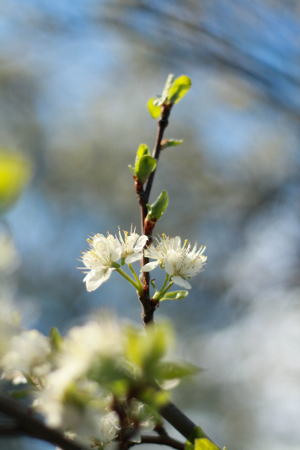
pixel 176 295
pixel 179 88
pixel 55 339
pixel 131 169
pixel 142 151
pixel 168 86
pixel 144 164
pixel 170 143
pixel 173 91
pixel 153 109
pixel 157 209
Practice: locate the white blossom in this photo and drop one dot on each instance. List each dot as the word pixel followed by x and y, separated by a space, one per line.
pixel 83 344
pixel 60 406
pixel 27 352
pixel 99 259
pixel 159 252
pixel 184 263
pixel 82 347
pixel 109 426
pixel 132 246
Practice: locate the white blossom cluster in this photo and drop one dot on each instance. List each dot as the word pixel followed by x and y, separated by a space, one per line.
pixel 105 251
pixel 69 379
pixel 179 261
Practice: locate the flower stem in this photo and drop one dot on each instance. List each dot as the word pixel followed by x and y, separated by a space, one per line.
pixel 137 286
pixel 165 283
pixel 160 294
pixel 135 275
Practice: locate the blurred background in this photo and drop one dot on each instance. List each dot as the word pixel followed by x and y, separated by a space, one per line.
pixel 74 81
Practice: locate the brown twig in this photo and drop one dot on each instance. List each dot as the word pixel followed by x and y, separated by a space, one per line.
pixel 143 197
pixel 159 440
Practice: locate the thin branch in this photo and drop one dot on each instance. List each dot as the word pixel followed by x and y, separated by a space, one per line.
pixel 143 196
pixel 159 440
pixel 160 429
pixel 11 430
pixel 179 420
pixel 28 425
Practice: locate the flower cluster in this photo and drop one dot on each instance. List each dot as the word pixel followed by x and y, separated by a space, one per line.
pixel 180 262
pixel 80 383
pixel 104 253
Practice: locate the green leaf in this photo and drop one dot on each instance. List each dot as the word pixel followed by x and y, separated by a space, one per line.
pixel 55 339
pixel 20 393
pixel 15 173
pixel 157 209
pixel 169 370
pixel 154 398
pixel 179 88
pixel 195 434
pixel 170 143
pixel 176 295
pixel 205 444
pixel 144 166
pixel 145 351
pixel 198 440
pixel 131 169
pixel 142 151
pixel 153 110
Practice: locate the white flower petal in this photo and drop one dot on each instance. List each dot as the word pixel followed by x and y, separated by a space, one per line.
pixel 141 242
pixel 104 251
pixel 150 266
pixel 95 279
pixel 132 258
pixel 181 282
pixel 132 245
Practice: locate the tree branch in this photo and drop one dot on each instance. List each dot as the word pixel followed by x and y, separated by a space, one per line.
pixel 179 420
pixel 143 197
pixel 28 425
pixel 159 440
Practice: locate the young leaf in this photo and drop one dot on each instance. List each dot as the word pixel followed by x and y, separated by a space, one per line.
pixel 157 209
pixel 205 444
pixel 176 295
pixel 169 370
pixel 55 339
pixel 179 88
pixel 170 143
pixel 145 165
pixel 142 151
pixel 131 169
pixel 195 434
pixel 169 83
pixel 153 110
pixel 198 440
pixel 19 393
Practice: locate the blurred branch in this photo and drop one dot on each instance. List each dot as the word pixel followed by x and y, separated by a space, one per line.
pixel 159 440
pixel 27 424
pixel 218 43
